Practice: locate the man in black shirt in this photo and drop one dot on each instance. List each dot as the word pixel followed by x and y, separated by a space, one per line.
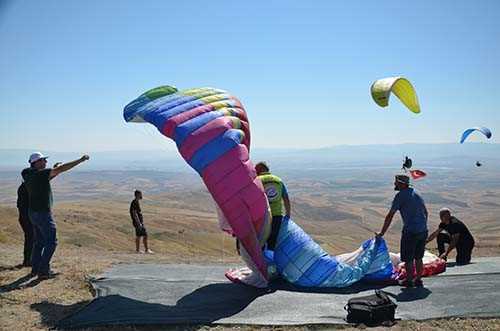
pixel 138 222
pixel 457 236
pixel 24 221
pixel 37 180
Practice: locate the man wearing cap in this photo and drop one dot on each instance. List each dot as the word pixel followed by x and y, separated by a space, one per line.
pixel 37 180
pixel 456 235
pixel 414 214
pixel 277 196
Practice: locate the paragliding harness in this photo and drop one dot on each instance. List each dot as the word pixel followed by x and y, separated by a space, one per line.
pixel 371 310
pixel 407 164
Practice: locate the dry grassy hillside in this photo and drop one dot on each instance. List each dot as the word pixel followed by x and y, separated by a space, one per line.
pixel 187 228
pixel 95 230
pixel 94 235
pixel 175 232
pixel 339 208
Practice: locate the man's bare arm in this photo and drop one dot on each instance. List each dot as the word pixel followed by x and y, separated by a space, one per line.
pixel 288 208
pixel 135 218
pixel 387 223
pixel 67 166
pixel 433 235
pixel 452 245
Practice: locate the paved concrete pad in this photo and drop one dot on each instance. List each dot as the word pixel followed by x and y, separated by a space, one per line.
pixel 190 294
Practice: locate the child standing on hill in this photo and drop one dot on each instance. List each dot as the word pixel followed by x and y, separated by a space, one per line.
pixel 138 222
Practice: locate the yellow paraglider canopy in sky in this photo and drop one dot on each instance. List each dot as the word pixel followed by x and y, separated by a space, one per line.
pixel 401 87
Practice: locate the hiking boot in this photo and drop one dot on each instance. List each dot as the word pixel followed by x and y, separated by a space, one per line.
pixel 419 283
pixel 48 275
pixel 406 283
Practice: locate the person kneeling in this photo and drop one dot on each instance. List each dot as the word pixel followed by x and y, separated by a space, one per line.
pixel 458 236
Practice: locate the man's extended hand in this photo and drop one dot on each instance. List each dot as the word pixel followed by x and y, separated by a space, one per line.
pixel 85 157
pixel 379 234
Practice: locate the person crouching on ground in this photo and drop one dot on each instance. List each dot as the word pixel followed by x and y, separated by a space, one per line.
pixel 457 236
pixel 412 208
pixel 37 180
pixel 138 222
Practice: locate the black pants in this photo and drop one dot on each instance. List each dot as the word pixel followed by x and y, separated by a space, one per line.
pixel 464 248
pixel 27 227
pixel 275 230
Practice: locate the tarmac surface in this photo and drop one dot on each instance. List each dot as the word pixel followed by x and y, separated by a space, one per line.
pixel 194 294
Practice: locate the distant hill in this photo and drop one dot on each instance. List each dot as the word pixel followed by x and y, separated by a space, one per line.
pixel 339 195
pixel 424 155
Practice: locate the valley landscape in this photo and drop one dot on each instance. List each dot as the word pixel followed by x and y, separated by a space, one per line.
pixel 339 205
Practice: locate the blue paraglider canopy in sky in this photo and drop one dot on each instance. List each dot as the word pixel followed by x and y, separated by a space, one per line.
pixel 483 130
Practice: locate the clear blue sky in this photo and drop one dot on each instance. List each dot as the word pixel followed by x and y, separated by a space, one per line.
pixel 302 69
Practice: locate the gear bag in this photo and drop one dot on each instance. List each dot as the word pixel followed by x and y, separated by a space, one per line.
pixel 371 309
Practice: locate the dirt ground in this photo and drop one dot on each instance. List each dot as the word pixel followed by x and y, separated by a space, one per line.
pixel 26 304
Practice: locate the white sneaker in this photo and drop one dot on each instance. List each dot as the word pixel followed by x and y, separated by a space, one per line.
pixel 149 252
pixel 139 252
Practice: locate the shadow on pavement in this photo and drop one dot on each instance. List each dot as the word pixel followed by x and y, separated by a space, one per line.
pixel 283 285
pixel 412 294
pixel 202 306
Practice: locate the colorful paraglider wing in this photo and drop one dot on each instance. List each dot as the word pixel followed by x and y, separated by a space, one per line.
pixel 303 262
pixel 433 265
pixel 417 174
pixel 485 131
pixel 211 130
pixel 401 87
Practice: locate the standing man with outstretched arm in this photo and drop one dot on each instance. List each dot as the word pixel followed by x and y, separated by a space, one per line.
pixel 414 214
pixel 37 180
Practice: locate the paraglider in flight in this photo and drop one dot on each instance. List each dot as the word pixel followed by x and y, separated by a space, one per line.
pixel 483 130
pixel 401 87
pixel 407 163
pixel 478 164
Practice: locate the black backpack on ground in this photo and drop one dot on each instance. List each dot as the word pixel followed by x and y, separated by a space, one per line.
pixel 371 309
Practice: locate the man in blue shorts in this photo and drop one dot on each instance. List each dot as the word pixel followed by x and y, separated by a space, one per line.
pixel 412 208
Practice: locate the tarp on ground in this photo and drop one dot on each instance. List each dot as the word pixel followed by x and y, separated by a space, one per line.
pixel 193 294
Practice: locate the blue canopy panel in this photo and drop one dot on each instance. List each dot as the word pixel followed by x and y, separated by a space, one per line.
pixel 158 111
pixel 183 130
pixel 381 268
pixel 303 262
pixel 483 130
pixel 215 149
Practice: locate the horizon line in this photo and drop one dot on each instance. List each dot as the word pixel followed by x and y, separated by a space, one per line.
pixel 252 148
